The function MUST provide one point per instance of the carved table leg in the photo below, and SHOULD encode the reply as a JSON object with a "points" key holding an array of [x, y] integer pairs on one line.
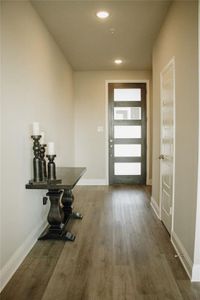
{"points": [[67, 200], [55, 219]]}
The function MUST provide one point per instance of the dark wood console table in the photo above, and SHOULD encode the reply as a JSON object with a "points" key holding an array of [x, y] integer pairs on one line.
{"points": [[61, 199]]}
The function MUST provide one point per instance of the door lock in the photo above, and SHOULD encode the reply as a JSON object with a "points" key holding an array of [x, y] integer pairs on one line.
{"points": [[161, 156]]}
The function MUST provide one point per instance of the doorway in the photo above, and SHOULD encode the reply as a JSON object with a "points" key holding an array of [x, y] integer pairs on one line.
{"points": [[167, 146], [127, 133]]}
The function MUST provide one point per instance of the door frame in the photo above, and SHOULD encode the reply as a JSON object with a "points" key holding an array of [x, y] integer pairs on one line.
{"points": [[148, 180], [171, 62]]}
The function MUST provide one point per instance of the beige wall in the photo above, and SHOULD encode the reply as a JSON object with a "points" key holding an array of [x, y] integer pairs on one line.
{"points": [[197, 234], [36, 86], [178, 38], [90, 112]]}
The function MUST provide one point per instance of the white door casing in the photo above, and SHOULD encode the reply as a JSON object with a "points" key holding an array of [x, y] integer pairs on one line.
{"points": [[167, 145]]}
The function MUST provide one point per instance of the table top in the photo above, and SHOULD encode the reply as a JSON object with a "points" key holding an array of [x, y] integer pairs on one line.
{"points": [[69, 176]]}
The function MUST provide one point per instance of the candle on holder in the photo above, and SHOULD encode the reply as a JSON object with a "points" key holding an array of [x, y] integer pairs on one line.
{"points": [[36, 128], [51, 150], [42, 138]]}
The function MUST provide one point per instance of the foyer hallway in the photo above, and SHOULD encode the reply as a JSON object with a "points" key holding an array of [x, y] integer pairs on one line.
{"points": [[122, 251]]}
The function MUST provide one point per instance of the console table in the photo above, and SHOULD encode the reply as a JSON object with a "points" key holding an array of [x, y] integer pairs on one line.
{"points": [[61, 199]]}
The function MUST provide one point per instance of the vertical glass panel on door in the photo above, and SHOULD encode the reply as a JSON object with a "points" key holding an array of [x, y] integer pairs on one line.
{"points": [[127, 150], [127, 94], [127, 168], [127, 113], [127, 132]]}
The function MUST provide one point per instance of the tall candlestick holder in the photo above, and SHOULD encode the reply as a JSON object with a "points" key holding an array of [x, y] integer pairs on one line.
{"points": [[37, 174], [43, 161], [52, 170]]}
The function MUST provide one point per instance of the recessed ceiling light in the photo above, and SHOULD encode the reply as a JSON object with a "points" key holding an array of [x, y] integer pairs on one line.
{"points": [[102, 14], [118, 61]]}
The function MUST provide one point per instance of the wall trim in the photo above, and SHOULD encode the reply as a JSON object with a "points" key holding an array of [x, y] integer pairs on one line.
{"points": [[155, 207], [92, 182], [17, 258], [182, 254], [147, 124], [149, 181], [195, 273]]}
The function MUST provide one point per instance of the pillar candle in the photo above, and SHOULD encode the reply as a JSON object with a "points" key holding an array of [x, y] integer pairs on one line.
{"points": [[36, 128], [51, 150]]}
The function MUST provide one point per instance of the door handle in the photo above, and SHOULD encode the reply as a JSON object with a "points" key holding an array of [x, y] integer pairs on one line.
{"points": [[161, 156]]}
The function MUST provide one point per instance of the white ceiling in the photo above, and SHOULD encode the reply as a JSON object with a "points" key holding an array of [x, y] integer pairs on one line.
{"points": [[90, 44]]}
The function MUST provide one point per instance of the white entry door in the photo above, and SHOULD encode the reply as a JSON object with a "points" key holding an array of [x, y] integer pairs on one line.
{"points": [[167, 143]]}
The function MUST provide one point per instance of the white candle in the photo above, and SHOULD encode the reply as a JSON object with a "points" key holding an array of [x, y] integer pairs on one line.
{"points": [[51, 150], [36, 128], [42, 137]]}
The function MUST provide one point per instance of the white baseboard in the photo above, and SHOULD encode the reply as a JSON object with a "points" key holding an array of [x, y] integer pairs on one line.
{"points": [[182, 253], [155, 207], [92, 182], [17, 258], [195, 273]]}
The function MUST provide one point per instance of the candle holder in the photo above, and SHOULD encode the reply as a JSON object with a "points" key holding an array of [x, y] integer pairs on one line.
{"points": [[52, 169], [43, 161], [37, 174]]}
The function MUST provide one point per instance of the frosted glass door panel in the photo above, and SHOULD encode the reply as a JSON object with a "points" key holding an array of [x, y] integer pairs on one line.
{"points": [[127, 113], [127, 168], [127, 150], [127, 132], [127, 94]]}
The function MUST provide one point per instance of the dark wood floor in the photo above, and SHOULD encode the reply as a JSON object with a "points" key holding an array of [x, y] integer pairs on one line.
{"points": [[121, 252]]}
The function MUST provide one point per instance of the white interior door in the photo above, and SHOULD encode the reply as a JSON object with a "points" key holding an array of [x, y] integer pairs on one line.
{"points": [[167, 143]]}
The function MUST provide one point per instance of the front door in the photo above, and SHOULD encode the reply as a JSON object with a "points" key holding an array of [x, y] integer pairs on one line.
{"points": [[127, 133], [167, 143]]}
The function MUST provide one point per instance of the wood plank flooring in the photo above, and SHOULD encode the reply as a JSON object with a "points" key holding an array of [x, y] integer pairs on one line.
{"points": [[121, 252]]}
